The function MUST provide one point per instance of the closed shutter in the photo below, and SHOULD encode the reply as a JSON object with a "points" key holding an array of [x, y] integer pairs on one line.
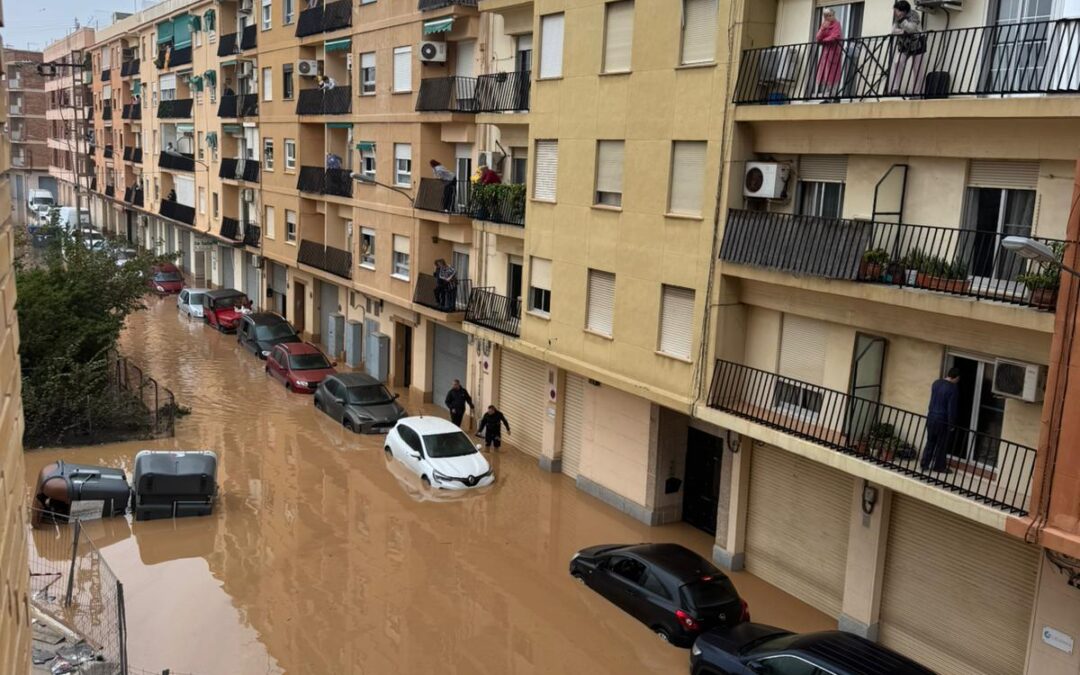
{"points": [[540, 273], [546, 169], [687, 177], [523, 399], [367, 60], [601, 302], [956, 595], [823, 168], [676, 321], [1008, 175], [167, 82], [609, 166], [797, 526], [268, 223], [573, 423], [185, 190], [699, 31], [403, 69], [449, 361], [802, 349], [618, 36], [551, 45], [228, 276]]}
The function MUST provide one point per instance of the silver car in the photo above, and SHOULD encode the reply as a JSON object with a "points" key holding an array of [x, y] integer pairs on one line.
{"points": [[189, 301]]}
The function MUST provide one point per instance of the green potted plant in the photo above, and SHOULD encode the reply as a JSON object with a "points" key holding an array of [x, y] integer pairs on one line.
{"points": [[1045, 281], [937, 273], [880, 441], [873, 264]]}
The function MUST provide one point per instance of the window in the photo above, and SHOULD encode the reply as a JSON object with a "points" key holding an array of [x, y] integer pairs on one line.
{"points": [[825, 200], [687, 177], [367, 159], [288, 11], [290, 154], [403, 164], [629, 569], [214, 199], [545, 172], [601, 302], [287, 81], [401, 257], [699, 31], [540, 285], [268, 154], [618, 36], [367, 73], [290, 225], [794, 398], [402, 69], [676, 321], [199, 144], [519, 165], [551, 45], [787, 665], [609, 170], [267, 11], [269, 219], [202, 200], [367, 247], [267, 84]]}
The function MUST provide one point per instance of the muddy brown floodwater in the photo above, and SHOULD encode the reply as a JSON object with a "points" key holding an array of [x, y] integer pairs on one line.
{"points": [[321, 559]]}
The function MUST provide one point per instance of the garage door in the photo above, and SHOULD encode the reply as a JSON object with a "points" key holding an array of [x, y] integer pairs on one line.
{"points": [[956, 595], [225, 259], [797, 526], [451, 350], [328, 303], [523, 395], [573, 423], [251, 281], [170, 237], [185, 251]]}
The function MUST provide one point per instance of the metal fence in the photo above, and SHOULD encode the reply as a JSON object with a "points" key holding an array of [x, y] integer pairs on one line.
{"points": [[489, 309], [158, 401]]}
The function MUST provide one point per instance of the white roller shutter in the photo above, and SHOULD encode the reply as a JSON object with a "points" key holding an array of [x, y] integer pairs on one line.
{"points": [[699, 31], [618, 36], [797, 526], [573, 423], [823, 168], [403, 69], [601, 302], [802, 349], [540, 273], [687, 177], [1009, 175], [956, 595], [185, 190], [609, 166], [676, 321], [551, 45], [546, 170], [523, 390]]}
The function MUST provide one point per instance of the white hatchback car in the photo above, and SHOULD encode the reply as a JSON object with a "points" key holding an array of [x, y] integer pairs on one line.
{"points": [[189, 301], [439, 452]]}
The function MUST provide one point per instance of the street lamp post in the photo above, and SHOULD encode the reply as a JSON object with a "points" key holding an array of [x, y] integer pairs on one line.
{"points": [[361, 178], [1032, 249]]}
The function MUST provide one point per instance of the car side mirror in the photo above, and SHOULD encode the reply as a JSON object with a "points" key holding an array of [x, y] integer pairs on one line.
{"points": [[339, 401], [478, 447], [333, 364], [417, 455]]}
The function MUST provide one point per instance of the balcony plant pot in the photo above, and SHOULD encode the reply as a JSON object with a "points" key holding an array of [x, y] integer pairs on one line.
{"points": [[1043, 283], [943, 284], [1044, 298], [873, 264]]}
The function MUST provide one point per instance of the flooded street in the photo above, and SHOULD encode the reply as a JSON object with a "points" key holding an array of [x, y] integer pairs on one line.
{"points": [[321, 559]]}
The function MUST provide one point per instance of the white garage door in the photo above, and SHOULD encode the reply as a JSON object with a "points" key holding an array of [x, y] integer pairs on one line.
{"points": [[523, 398], [573, 423], [797, 526]]}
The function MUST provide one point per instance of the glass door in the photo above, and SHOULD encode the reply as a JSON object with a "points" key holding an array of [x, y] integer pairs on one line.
{"points": [[990, 215], [865, 388], [513, 287], [981, 412], [1018, 49]]}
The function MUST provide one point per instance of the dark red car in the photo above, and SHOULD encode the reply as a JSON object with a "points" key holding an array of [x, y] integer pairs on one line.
{"points": [[165, 279], [221, 308], [300, 365]]}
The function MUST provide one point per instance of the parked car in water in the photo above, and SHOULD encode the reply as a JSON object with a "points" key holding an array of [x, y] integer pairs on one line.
{"points": [[40, 202], [757, 649], [675, 592], [124, 255], [261, 331], [439, 452], [358, 402], [189, 301], [165, 279], [300, 366], [222, 308]]}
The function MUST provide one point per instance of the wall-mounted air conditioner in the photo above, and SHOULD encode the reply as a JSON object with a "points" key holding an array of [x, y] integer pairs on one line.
{"points": [[249, 195], [1016, 379], [307, 67], [432, 52], [766, 180], [246, 6]]}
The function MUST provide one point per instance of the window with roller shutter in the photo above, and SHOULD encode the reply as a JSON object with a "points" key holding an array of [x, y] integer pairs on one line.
{"points": [[687, 177], [699, 19], [551, 46], [539, 285], [402, 69], [609, 172], [601, 302], [546, 170], [676, 321], [618, 36], [802, 358]]}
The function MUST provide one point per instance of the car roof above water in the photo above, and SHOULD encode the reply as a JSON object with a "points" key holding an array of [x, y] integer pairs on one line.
{"points": [[219, 293], [429, 425], [296, 348], [265, 318], [355, 379], [679, 562]]}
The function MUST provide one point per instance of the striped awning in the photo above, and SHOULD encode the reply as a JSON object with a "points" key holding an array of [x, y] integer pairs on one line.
{"points": [[438, 26], [341, 45]]}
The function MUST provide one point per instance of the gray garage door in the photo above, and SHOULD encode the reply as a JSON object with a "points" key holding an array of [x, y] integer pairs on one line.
{"points": [[225, 260], [451, 348], [328, 303], [185, 251], [251, 281]]}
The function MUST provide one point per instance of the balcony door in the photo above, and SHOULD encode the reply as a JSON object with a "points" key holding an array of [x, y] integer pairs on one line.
{"points": [[463, 167], [867, 365], [850, 16], [980, 410], [523, 53], [1019, 46], [991, 214], [513, 286]]}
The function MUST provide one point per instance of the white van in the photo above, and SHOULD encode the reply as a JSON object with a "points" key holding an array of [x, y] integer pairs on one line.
{"points": [[67, 220], [40, 201]]}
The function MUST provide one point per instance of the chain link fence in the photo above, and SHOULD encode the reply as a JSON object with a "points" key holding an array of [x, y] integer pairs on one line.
{"points": [[158, 401]]}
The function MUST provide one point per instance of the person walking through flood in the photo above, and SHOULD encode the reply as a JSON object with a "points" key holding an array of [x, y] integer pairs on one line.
{"points": [[491, 427], [456, 399]]}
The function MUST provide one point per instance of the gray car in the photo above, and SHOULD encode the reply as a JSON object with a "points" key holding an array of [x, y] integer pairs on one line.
{"points": [[359, 402]]}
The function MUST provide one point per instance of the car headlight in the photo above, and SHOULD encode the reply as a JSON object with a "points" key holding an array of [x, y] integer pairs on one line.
{"points": [[159, 288], [695, 650], [301, 383], [266, 352], [441, 476]]}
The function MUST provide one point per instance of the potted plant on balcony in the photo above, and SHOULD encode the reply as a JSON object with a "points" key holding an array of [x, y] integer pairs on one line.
{"points": [[882, 443], [937, 273], [873, 264], [1043, 286]]}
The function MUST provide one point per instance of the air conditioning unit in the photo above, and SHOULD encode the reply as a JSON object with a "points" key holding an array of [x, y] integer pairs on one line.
{"points": [[249, 194], [307, 67], [947, 5], [247, 69], [432, 52], [256, 261], [1019, 380], [778, 64], [766, 180], [246, 6]]}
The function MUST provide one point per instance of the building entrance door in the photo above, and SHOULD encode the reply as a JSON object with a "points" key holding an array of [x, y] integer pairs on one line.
{"points": [[701, 487]]}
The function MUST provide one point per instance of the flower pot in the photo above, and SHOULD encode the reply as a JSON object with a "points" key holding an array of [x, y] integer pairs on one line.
{"points": [[869, 271], [1044, 298], [959, 286]]}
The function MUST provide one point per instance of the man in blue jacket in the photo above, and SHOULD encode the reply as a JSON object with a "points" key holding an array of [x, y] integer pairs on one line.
{"points": [[941, 415]]}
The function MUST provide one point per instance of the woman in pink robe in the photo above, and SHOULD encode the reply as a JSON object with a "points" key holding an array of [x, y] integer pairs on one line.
{"points": [[829, 65]]}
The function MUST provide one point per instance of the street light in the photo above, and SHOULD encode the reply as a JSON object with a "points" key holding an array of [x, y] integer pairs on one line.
{"points": [[368, 180], [1029, 248]]}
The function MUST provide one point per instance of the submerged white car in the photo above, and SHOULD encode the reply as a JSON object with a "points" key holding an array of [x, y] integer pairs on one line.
{"points": [[439, 452], [189, 301]]}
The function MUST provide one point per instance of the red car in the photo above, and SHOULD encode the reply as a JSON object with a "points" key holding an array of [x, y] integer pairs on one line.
{"points": [[166, 279], [222, 308], [300, 365]]}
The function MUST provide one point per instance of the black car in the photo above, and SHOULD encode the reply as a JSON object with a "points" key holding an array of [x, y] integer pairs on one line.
{"points": [[672, 590], [359, 402], [757, 649], [259, 332]]}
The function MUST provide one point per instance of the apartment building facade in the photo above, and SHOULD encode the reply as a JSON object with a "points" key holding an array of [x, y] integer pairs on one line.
{"points": [[28, 129], [69, 116]]}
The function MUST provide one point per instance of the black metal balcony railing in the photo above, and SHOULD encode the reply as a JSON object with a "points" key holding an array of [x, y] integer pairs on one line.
{"points": [[106, 110], [168, 57], [137, 197], [93, 184], [179, 108], [129, 68], [227, 44], [336, 101], [248, 38], [1022, 58], [434, 194], [252, 235], [132, 154], [110, 190], [106, 74], [498, 203], [985, 468], [489, 309], [443, 297], [108, 152], [326, 258], [128, 192], [963, 262], [239, 105], [239, 169], [230, 228], [496, 92], [176, 161], [310, 179], [323, 19], [177, 211], [426, 5], [131, 111], [317, 180]]}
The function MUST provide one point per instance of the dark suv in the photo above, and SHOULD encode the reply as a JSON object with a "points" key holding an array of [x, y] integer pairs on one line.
{"points": [[259, 332]]}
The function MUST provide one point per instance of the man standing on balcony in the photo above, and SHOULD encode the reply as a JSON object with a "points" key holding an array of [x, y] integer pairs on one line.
{"points": [[447, 177], [940, 418], [445, 286]]}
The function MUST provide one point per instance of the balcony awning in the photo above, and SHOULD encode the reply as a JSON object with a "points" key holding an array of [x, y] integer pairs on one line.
{"points": [[365, 147], [136, 87], [211, 139], [232, 129], [185, 128], [339, 125], [211, 77], [230, 62], [438, 26], [341, 45]]}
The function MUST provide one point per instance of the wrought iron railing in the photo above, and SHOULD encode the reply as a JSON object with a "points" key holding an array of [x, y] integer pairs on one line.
{"points": [[980, 466], [179, 108], [238, 105], [322, 19], [131, 111], [239, 169], [168, 57], [230, 228], [336, 101], [327, 258], [489, 309], [106, 74], [176, 161], [227, 44], [963, 262], [133, 195], [495, 92], [177, 211], [247, 38], [310, 179], [426, 5], [129, 68], [496, 203], [434, 194], [452, 297], [107, 152], [317, 180], [1036, 57], [252, 235], [110, 190], [106, 110]]}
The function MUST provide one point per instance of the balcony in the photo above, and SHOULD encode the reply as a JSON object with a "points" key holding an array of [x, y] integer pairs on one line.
{"points": [[179, 108], [176, 161], [132, 154], [110, 190], [230, 228], [426, 5], [499, 203], [247, 38], [131, 111], [326, 258], [129, 68], [240, 105], [316, 180], [169, 57], [496, 92], [323, 19], [108, 152], [453, 298], [177, 211], [106, 74], [1022, 58], [252, 235], [133, 195], [106, 111], [969, 263], [336, 101], [239, 169], [489, 309], [985, 468]]}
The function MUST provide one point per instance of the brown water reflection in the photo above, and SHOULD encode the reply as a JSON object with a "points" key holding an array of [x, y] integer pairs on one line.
{"points": [[322, 559]]}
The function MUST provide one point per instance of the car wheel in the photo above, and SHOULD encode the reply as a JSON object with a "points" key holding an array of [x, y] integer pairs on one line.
{"points": [[426, 481], [349, 425], [662, 634], [318, 406], [389, 452], [288, 386]]}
